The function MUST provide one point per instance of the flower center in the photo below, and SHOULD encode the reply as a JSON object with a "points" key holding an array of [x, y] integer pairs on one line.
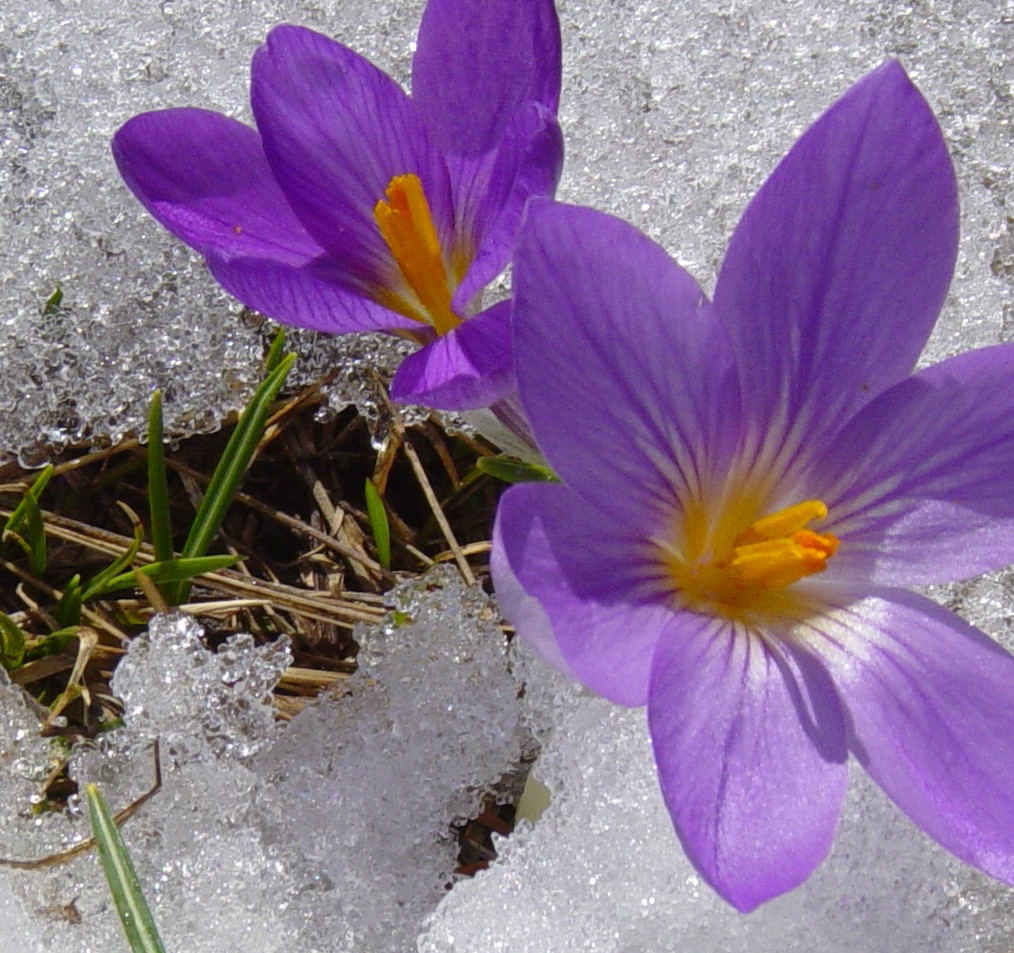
{"points": [[406, 226], [750, 571], [778, 550]]}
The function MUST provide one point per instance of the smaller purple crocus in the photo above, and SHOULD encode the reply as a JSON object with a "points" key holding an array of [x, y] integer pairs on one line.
{"points": [[751, 484], [354, 207]]}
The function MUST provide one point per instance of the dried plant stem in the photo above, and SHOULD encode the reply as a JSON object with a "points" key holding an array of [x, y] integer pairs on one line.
{"points": [[151, 592], [87, 640], [438, 513], [86, 460], [469, 549], [61, 857], [93, 618], [320, 606], [292, 523]]}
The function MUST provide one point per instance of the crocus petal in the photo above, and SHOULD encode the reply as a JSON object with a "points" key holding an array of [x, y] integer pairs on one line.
{"points": [[623, 372], [750, 748], [522, 610], [929, 698], [477, 63], [467, 368], [336, 130], [573, 562], [491, 193], [919, 483], [309, 295], [838, 268], [205, 178]]}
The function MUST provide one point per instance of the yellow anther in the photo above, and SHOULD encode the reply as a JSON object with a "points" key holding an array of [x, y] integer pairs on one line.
{"points": [[743, 575], [778, 550], [783, 523], [406, 226], [778, 563]]}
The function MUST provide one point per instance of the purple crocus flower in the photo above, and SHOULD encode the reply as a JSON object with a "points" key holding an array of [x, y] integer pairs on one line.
{"points": [[354, 207], [750, 483]]}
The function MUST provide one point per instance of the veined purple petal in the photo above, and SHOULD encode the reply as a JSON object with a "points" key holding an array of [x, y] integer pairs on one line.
{"points": [[584, 575], [336, 130], [623, 371], [491, 192], [467, 368], [477, 63], [839, 266], [522, 610], [929, 700], [920, 484], [310, 295], [205, 178], [750, 748]]}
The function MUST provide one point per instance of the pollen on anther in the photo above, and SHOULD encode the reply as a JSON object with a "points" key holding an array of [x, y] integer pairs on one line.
{"points": [[406, 224]]}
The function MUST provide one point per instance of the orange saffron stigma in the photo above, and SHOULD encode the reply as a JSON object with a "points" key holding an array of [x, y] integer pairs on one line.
{"points": [[406, 225]]}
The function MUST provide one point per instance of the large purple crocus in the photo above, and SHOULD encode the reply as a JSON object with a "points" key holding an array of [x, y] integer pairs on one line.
{"points": [[354, 207], [750, 483]]}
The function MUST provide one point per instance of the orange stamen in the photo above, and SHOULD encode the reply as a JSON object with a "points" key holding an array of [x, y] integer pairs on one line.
{"points": [[778, 550], [406, 225], [748, 573]]}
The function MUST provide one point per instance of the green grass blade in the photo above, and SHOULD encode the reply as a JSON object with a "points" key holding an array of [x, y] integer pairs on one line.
{"points": [[274, 356], [25, 527], [170, 571], [514, 470], [158, 487], [52, 305], [68, 609], [17, 518], [31, 536], [35, 532], [231, 469], [97, 586], [51, 644], [135, 916], [12, 643], [20, 541], [379, 524], [235, 460]]}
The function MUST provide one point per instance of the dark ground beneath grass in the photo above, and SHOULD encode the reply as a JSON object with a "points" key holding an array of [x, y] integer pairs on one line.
{"points": [[309, 562]]}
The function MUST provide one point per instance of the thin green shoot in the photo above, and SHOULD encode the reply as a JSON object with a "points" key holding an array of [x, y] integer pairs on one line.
{"points": [[31, 535], [135, 915], [168, 572], [52, 305], [158, 487], [68, 610], [275, 352], [229, 473], [379, 523], [25, 525], [51, 644], [12, 643], [97, 585], [515, 470]]}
